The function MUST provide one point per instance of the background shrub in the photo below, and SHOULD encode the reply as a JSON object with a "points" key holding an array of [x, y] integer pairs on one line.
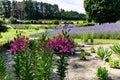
{"points": [[2, 21], [27, 22], [13, 20], [56, 22], [18, 27], [85, 24], [3, 27]]}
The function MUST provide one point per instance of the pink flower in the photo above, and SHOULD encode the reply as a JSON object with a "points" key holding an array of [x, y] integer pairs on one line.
{"points": [[18, 45], [41, 49], [61, 45]]}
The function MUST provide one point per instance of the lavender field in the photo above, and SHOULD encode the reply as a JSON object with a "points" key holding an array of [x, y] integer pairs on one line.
{"points": [[103, 28]]}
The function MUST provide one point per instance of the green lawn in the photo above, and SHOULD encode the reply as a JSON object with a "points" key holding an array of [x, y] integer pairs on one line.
{"points": [[12, 33], [101, 41]]}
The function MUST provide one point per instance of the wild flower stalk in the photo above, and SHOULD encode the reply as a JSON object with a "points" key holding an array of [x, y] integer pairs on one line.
{"points": [[22, 58], [44, 60], [62, 46]]}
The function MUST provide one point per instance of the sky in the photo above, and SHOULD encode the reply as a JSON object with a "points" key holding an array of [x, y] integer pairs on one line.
{"points": [[75, 5]]}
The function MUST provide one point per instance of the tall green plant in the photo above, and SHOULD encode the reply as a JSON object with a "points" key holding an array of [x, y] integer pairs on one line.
{"points": [[62, 47], [82, 54], [92, 37], [2, 67], [62, 62], [44, 60], [23, 65], [116, 49], [85, 37], [104, 54]]}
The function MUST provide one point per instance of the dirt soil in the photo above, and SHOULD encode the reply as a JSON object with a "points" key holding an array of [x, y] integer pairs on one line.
{"points": [[86, 70]]}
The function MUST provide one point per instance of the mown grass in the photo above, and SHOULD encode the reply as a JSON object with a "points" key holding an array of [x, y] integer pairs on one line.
{"points": [[12, 33], [100, 41]]}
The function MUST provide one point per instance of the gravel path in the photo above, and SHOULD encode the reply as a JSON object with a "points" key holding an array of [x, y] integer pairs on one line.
{"points": [[86, 70]]}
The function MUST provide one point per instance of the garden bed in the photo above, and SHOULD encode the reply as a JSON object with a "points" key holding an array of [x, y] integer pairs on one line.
{"points": [[86, 70]]}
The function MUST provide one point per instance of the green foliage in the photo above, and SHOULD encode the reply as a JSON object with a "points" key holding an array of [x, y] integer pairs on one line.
{"points": [[23, 66], [62, 64], [82, 54], [26, 63], [116, 49], [5, 45], [2, 66], [3, 27], [6, 8], [13, 20], [49, 27], [18, 27], [44, 59], [104, 54], [92, 49], [35, 10], [85, 24], [91, 37], [2, 21], [27, 22], [115, 35], [30, 27], [85, 37], [33, 63], [23, 63], [1, 35], [68, 22], [56, 22], [102, 73], [17, 66], [87, 53], [98, 10], [114, 63]]}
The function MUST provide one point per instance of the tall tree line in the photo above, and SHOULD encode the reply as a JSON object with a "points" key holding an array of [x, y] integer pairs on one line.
{"points": [[33, 10]]}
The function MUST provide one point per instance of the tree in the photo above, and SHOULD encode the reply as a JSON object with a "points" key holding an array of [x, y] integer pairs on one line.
{"points": [[33, 10], [1, 8], [3, 27], [7, 8], [102, 11], [28, 9]]}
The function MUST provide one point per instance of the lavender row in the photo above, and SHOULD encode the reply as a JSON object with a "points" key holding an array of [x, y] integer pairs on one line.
{"points": [[103, 28]]}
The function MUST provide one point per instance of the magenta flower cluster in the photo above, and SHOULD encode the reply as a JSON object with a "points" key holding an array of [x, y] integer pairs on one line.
{"points": [[61, 45], [18, 45]]}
